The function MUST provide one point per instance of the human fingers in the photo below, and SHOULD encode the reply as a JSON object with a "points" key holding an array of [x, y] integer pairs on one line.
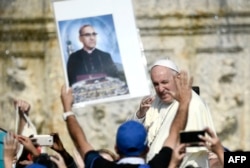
{"points": [[181, 151], [25, 162], [27, 142], [22, 105], [173, 94], [184, 80], [178, 154], [202, 143], [22, 138], [6, 140], [210, 132], [207, 141], [145, 106], [181, 148], [66, 90], [147, 99], [180, 80], [57, 158], [10, 145]]}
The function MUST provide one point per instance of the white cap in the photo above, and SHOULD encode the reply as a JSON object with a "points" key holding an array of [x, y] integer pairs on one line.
{"points": [[166, 63]]}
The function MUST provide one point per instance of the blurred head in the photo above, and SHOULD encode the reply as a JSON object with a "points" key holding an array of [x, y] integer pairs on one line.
{"points": [[162, 76], [44, 160], [87, 36], [131, 139]]}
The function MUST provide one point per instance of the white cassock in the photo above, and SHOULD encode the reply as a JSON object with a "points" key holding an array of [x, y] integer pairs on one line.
{"points": [[158, 121]]}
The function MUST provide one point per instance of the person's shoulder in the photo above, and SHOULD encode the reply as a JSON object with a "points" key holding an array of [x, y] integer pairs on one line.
{"points": [[74, 56], [76, 53], [94, 159], [101, 52]]}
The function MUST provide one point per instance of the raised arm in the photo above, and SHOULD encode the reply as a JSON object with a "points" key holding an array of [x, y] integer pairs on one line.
{"points": [[58, 147], [23, 107], [183, 96], [75, 131], [10, 149]]}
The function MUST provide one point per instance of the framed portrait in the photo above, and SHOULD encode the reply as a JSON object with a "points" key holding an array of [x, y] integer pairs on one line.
{"points": [[101, 50]]}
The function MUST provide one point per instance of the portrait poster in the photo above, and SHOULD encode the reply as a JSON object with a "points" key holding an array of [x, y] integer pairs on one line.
{"points": [[100, 50]]}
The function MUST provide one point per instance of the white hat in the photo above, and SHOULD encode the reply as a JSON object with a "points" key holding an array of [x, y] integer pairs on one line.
{"points": [[166, 63]]}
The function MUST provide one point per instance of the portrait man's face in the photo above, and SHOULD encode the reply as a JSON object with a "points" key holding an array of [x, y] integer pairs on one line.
{"points": [[88, 37]]}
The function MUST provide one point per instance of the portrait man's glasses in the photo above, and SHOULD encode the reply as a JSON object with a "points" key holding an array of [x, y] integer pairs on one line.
{"points": [[89, 34]]}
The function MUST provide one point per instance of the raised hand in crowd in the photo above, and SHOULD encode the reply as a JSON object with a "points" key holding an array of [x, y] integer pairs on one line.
{"points": [[28, 145], [10, 150], [184, 87], [177, 155], [57, 143], [29, 148], [183, 95], [23, 108], [58, 147], [213, 143], [58, 160]]}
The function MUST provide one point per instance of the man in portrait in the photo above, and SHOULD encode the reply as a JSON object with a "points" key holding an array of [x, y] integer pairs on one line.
{"points": [[89, 62]]}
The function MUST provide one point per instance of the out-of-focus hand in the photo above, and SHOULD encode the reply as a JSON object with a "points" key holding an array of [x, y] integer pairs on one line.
{"points": [[58, 160], [144, 106], [28, 145], [25, 162], [23, 106], [57, 143], [66, 98], [177, 155], [183, 87], [10, 148], [213, 143]]}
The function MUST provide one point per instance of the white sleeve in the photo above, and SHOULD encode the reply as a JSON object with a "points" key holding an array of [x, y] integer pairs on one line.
{"points": [[134, 117]]}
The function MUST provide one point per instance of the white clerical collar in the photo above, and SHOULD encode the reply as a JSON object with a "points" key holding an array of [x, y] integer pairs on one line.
{"points": [[89, 51], [131, 160]]}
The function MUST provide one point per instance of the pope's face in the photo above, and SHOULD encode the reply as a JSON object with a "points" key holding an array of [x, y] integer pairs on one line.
{"points": [[163, 81], [88, 37]]}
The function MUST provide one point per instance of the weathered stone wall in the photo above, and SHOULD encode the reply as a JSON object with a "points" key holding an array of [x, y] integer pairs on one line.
{"points": [[208, 37]]}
